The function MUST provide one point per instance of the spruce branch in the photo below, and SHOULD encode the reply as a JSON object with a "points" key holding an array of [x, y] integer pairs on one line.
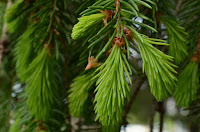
{"points": [[79, 93], [177, 41], [109, 31], [23, 60], [188, 82], [35, 59], [85, 23], [16, 126], [189, 15], [112, 88], [41, 95], [157, 67]]}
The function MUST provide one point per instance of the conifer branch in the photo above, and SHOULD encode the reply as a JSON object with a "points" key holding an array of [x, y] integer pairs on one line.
{"points": [[112, 88], [34, 56], [159, 69], [109, 31], [188, 84], [79, 93], [177, 41]]}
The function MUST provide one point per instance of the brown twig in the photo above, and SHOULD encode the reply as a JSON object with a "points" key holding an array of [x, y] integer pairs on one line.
{"points": [[161, 111], [195, 56], [41, 126], [158, 106], [152, 116], [178, 6]]}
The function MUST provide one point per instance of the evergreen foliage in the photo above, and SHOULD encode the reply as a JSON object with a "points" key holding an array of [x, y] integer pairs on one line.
{"points": [[48, 51], [188, 85], [158, 69], [85, 24], [40, 71], [17, 15], [38, 54], [79, 93], [112, 88], [177, 41]]}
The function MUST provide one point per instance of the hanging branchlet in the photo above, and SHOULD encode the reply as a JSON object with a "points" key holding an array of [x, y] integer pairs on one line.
{"points": [[37, 72], [35, 52], [157, 67], [110, 114], [187, 91], [188, 81], [176, 36], [42, 110], [23, 50], [112, 87], [79, 93]]}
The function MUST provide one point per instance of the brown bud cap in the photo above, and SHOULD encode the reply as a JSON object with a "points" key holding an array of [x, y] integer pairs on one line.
{"points": [[128, 32], [109, 15], [92, 63], [198, 46], [195, 56], [119, 41]]}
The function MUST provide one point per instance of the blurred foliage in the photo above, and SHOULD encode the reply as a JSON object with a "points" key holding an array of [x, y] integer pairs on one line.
{"points": [[2, 11]]}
